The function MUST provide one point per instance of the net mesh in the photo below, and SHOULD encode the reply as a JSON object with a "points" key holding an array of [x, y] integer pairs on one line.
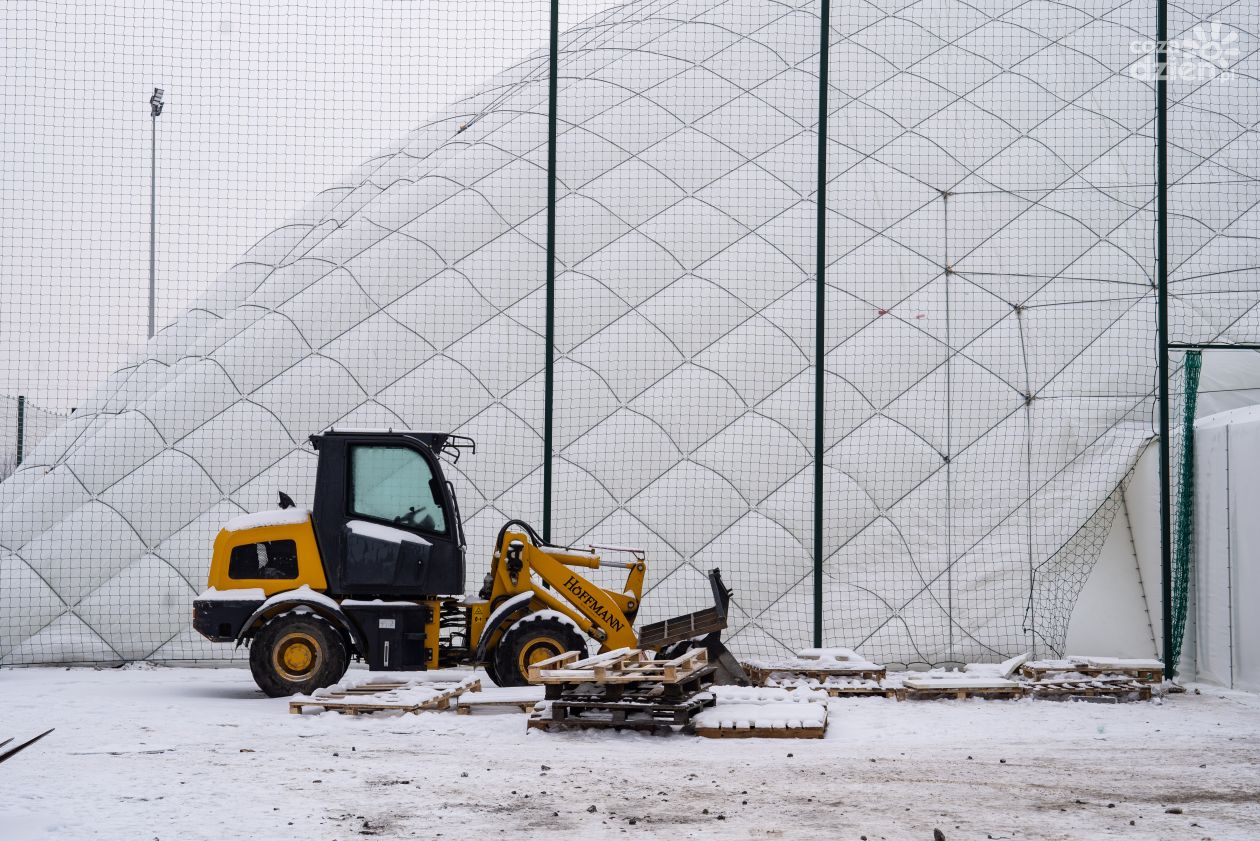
{"points": [[24, 425], [988, 333]]}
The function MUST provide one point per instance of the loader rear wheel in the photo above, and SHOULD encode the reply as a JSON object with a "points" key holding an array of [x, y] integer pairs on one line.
{"points": [[297, 654], [530, 641]]}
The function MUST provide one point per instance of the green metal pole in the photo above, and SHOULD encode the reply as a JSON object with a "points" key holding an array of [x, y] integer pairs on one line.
{"points": [[820, 316], [550, 373], [1161, 282], [21, 430]]}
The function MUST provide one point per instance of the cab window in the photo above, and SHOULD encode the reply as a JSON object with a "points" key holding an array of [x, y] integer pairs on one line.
{"points": [[271, 559], [395, 484]]}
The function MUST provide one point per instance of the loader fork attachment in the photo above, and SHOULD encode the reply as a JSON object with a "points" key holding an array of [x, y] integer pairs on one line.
{"points": [[703, 627]]}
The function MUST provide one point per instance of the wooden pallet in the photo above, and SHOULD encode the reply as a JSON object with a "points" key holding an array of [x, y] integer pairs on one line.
{"points": [[836, 687], [627, 665], [762, 732], [1067, 688], [390, 696], [1145, 671], [523, 706], [761, 675], [664, 719], [602, 712], [542, 720], [959, 692], [752, 731], [513, 698]]}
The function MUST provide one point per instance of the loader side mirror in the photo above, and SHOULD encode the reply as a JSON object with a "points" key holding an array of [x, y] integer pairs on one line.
{"points": [[435, 490]]}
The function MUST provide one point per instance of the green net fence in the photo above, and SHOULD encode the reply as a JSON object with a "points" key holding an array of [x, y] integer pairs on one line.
{"points": [[874, 335], [1182, 499]]}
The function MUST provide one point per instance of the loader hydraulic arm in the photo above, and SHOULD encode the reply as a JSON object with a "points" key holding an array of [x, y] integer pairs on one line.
{"points": [[605, 615]]}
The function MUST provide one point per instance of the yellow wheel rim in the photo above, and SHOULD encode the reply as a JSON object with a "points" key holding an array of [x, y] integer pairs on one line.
{"points": [[297, 656], [538, 650]]}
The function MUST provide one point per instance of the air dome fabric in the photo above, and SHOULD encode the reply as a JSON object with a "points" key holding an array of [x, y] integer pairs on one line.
{"points": [[988, 332]]}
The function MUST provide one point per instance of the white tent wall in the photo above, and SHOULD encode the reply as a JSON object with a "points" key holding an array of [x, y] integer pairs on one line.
{"points": [[1230, 380], [1119, 612], [1113, 616], [1226, 586]]}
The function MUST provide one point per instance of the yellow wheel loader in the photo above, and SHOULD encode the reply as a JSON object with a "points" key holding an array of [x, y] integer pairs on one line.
{"points": [[375, 572]]}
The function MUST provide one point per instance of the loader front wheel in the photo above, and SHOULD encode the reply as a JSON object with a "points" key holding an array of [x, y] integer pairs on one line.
{"points": [[530, 641], [297, 654]]}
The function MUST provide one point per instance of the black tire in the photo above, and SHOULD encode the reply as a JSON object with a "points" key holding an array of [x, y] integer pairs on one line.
{"points": [[297, 653], [529, 641], [491, 671]]}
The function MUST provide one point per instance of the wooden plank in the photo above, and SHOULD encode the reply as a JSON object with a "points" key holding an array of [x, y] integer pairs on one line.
{"points": [[615, 665], [557, 662]]}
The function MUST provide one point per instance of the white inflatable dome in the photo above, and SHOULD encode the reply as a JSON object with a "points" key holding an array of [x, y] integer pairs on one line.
{"points": [[989, 333]]}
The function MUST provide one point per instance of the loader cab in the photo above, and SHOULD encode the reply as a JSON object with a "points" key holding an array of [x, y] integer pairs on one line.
{"points": [[385, 517]]}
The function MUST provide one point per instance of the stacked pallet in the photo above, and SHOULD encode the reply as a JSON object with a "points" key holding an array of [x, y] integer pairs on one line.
{"points": [[1145, 671], [1093, 677], [959, 685], [836, 671], [1117, 687], [622, 689], [384, 695]]}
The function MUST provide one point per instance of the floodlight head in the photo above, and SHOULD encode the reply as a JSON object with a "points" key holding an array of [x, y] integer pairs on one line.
{"points": [[155, 101]]}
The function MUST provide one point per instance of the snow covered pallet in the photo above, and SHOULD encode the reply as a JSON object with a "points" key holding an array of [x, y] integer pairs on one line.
{"points": [[1147, 671], [523, 698], [837, 686], [958, 685], [621, 689], [385, 696], [764, 713], [838, 669], [1118, 687]]}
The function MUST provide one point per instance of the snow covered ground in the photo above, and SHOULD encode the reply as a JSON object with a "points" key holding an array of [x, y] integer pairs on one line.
{"points": [[167, 753]]}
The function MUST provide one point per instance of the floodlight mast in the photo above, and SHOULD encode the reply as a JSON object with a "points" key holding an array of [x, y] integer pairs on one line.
{"points": [[155, 108]]}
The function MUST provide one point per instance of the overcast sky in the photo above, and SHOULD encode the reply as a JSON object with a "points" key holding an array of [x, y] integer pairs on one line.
{"points": [[268, 103]]}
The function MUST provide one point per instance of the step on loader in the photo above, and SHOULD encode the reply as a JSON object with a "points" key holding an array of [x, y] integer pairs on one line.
{"points": [[375, 572]]}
